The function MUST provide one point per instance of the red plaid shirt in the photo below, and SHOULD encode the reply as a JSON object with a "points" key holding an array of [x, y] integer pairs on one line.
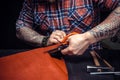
{"points": [[65, 15]]}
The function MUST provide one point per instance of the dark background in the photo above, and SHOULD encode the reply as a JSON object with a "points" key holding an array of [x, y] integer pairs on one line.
{"points": [[10, 10]]}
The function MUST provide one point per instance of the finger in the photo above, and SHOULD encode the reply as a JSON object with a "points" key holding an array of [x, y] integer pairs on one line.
{"points": [[62, 34], [55, 39], [69, 50], [59, 35], [58, 38], [65, 51]]}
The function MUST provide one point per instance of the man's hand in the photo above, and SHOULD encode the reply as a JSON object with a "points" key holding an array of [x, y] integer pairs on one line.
{"points": [[78, 43], [56, 37]]}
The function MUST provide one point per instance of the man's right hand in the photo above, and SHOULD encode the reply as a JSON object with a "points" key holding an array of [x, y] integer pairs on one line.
{"points": [[56, 37]]}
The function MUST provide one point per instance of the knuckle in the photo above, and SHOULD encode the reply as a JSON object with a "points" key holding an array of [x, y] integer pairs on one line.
{"points": [[74, 53], [59, 34], [70, 49], [57, 31]]}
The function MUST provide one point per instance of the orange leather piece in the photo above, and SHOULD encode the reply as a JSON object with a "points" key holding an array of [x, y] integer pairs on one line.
{"points": [[32, 65]]}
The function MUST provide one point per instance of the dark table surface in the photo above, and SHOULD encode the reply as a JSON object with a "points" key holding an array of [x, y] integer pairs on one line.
{"points": [[112, 56]]}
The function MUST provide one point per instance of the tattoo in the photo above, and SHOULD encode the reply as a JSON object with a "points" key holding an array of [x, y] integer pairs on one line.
{"points": [[29, 36], [104, 31], [117, 12], [109, 27]]}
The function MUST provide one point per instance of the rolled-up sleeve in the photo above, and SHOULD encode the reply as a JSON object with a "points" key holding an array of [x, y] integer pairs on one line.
{"points": [[107, 4], [26, 15]]}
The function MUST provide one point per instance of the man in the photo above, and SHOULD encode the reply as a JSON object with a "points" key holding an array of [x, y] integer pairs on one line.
{"points": [[46, 22]]}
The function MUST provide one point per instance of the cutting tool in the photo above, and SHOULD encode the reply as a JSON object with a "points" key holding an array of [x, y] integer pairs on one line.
{"points": [[98, 69]]}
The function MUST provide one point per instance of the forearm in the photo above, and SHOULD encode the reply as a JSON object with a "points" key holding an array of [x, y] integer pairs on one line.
{"points": [[29, 36], [107, 28]]}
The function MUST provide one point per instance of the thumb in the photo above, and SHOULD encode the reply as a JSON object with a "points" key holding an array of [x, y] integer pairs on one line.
{"points": [[68, 50], [65, 51]]}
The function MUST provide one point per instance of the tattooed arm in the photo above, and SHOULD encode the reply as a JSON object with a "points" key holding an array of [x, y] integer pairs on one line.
{"points": [[35, 39], [107, 28], [29, 36]]}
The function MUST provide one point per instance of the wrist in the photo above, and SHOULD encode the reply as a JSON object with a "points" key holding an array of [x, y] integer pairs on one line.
{"points": [[45, 41], [91, 39]]}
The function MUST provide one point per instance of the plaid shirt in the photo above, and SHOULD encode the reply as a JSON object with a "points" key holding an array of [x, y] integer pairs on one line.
{"points": [[65, 15]]}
